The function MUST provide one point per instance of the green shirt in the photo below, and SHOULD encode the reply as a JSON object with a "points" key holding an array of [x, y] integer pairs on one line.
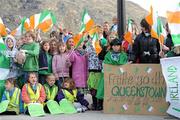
{"points": [[32, 54], [49, 60]]}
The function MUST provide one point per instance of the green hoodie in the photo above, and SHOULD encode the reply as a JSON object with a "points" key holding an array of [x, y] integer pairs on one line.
{"points": [[32, 54]]}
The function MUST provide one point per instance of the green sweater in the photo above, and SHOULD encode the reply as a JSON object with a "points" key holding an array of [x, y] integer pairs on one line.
{"points": [[32, 54], [119, 59]]}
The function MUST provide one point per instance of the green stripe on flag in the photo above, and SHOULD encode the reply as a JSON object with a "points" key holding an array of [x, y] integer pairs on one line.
{"points": [[22, 24], [176, 39], [43, 15], [53, 17]]}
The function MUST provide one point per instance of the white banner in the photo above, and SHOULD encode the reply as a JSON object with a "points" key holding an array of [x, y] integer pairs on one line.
{"points": [[171, 73]]}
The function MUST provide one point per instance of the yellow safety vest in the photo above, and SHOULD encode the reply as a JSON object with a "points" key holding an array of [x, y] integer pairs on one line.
{"points": [[13, 100], [69, 96], [34, 97], [51, 96]]}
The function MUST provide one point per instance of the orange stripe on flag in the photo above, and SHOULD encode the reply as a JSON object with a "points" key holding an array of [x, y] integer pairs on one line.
{"points": [[13, 32], [32, 22], [2, 30], [161, 39], [46, 25], [27, 26], [89, 25], [154, 34], [128, 37], [149, 18], [173, 17], [77, 38], [92, 31], [97, 46]]}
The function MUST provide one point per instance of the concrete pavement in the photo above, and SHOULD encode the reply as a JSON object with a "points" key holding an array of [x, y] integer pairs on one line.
{"points": [[89, 115]]}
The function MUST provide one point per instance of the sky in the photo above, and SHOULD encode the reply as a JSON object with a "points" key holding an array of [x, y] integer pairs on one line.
{"points": [[158, 5]]}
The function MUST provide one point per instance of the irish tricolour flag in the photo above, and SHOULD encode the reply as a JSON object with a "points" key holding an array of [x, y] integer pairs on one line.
{"points": [[173, 17]]}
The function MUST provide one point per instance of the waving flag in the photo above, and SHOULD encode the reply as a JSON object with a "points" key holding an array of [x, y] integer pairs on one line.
{"points": [[2, 28], [47, 22], [87, 22], [161, 31], [173, 18], [96, 43], [21, 28], [157, 29], [128, 35], [34, 21]]}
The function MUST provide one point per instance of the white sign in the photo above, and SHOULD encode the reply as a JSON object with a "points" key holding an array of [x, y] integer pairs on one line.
{"points": [[171, 72]]}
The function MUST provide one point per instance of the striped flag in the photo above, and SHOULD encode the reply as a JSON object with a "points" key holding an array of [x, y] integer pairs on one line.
{"points": [[27, 24], [4, 61], [86, 23], [34, 21], [161, 31], [96, 43], [2, 28], [128, 36], [173, 18], [152, 21], [21, 28], [157, 29], [47, 22]]}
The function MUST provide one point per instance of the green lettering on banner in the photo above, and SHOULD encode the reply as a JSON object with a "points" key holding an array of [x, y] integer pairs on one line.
{"points": [[135, 91], [172, 77]]}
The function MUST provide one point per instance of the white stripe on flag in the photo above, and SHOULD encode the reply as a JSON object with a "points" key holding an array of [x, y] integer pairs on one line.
{"points": [[4, 72], [86, 18], [175, 28]]}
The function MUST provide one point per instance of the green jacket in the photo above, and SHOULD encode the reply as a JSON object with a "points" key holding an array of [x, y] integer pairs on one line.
{"points": [[119, 59], [32, 54]]}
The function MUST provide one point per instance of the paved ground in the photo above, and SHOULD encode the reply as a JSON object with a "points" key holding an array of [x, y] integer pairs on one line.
{"points": [[89, 115]]}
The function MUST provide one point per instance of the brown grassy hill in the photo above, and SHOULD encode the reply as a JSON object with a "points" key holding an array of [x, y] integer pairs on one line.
{"points": [[68, 12]]}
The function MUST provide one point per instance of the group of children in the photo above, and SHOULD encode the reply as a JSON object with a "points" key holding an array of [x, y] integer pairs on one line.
{"points": [[56, 69]]}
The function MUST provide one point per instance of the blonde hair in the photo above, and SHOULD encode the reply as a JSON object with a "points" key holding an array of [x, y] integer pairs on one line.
{"points": [[177, 49], [32, 34]]}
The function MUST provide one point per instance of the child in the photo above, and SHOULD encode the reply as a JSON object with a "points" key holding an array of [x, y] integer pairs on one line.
{"points": [[70, 44], [45, 62], [71, 93], [11, 53], [32, 92], [50, 88], [53, 47], [94, 67], [13, 94], [114, 57], [31, 49], [79, 67], [61, 64]]}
